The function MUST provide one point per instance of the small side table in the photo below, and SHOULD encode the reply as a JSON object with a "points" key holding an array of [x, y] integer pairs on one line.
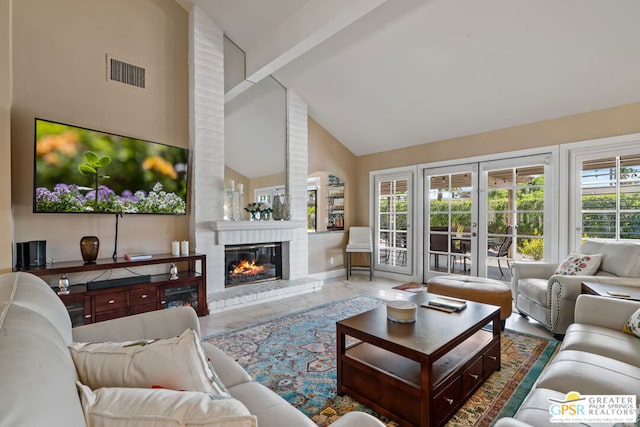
{"points": [[607, 289]]}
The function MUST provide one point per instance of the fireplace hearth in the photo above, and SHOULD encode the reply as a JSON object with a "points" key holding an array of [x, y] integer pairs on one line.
{"points": [[246, 264]]}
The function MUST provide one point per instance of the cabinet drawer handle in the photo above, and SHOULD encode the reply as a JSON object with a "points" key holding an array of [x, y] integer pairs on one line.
{"points": [[87, 316], [144, 296], [474, 376], [112, 301], [492, 357], [449, 401]]}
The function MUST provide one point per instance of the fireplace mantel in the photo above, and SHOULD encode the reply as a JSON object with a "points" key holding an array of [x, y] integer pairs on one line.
{"points": [[239, 232]]}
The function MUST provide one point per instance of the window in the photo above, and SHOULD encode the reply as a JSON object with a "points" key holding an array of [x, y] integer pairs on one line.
{"points": [[604, 190], [610, 197]]}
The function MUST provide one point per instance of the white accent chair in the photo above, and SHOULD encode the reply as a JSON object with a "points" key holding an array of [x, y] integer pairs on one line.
{"points": [[550, 298], [360, 241]]}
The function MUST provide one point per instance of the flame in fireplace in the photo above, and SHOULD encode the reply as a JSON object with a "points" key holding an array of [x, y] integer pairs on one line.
{"points": [[247, 268]]}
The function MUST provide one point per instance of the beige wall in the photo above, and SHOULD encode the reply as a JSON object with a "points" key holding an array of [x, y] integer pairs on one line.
{"points": [[5, 136], [619, 120], [59, 70], [326, 153]]}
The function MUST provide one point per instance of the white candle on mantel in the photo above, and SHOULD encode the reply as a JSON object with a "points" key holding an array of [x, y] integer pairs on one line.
{"points": [[233, 185], [240, 187]]}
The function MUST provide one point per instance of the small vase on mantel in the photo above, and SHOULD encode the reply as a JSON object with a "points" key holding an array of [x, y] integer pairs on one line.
{"points": [[89, 247]]}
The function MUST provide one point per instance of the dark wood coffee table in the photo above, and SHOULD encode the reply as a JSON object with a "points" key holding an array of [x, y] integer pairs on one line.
{"points": [[418, 374]]}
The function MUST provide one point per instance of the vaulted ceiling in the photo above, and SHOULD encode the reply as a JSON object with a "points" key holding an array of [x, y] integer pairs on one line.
{"points": [[381, 75]]}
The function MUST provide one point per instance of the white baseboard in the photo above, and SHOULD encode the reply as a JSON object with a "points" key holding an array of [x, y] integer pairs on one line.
{"points": [[342, 273]]}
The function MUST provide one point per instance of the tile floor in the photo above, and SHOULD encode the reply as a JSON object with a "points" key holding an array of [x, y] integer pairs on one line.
{"points": [[333, 289]]}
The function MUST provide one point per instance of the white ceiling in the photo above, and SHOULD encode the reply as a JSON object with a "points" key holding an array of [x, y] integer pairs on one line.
{"points": [[407, 72]]}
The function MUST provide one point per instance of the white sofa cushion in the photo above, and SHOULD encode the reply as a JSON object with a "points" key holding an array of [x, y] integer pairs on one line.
{"points": [[139, 407], [577, 264], [590, 373], [175, 363], [603, 341], [621, 258], [271, 409], [535, 290], [36, 370]]}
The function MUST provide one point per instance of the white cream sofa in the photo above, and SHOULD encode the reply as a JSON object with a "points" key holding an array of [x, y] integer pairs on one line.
{"points": [[596, 357], [38, 376], [550, 298]]}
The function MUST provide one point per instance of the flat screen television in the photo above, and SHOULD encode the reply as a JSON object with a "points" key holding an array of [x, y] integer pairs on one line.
{"points": [[80, 170]]}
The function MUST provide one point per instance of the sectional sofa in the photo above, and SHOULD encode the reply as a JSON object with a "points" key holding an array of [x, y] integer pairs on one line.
{"points": [[38, 376], [596, 358]]}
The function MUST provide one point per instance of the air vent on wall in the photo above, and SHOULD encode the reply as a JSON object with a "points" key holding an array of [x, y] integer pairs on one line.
{"points": [[124, 72]]}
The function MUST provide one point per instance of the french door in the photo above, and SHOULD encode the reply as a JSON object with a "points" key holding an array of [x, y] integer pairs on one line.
{"points": [[393, 242], [450, 219], [479, 217]]}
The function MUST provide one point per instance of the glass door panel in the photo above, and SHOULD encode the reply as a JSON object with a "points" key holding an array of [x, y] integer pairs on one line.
{"points": [[513, 214], [393, 221], [449, 220]]}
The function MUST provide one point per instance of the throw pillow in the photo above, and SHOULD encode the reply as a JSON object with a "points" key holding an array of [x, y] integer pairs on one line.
{"points": [[632, 326], [579, 264], [139, 407], [177, 363]]}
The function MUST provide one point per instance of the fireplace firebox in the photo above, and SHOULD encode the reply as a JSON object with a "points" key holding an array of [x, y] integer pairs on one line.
{"points": [[252, 263]]}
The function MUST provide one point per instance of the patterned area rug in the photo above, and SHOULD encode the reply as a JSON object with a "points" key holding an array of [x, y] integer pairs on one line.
{"points": [[294, 355], [412, 287]]}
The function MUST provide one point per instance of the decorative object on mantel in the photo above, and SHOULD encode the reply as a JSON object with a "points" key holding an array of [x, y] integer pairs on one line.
{"points": [[228, 203], [286, 207], [277, 207], [259, 211], [89, 247]]}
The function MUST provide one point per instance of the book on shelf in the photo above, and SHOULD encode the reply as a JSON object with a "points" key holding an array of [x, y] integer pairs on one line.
{"points": [[448, 303], [137, 257]]}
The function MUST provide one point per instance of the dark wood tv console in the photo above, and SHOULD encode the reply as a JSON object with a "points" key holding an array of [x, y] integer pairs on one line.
{"points": [[156, 292]]}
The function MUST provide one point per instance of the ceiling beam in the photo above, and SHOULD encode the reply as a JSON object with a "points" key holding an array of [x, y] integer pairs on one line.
{"points": [[304, 29]]}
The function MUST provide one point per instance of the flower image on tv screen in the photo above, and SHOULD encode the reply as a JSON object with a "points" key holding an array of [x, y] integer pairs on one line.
{"points": [[86, 171]]}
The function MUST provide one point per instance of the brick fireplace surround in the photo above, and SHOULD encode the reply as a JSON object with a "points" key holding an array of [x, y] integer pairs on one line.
{"points": [[208, 232], [252, 232]]}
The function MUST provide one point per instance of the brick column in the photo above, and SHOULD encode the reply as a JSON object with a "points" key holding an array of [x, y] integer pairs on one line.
{"points": [[297, 164], [206, 138]]}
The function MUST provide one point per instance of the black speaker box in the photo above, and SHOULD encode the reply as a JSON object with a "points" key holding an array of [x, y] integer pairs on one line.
{"points": [[31, 254]]}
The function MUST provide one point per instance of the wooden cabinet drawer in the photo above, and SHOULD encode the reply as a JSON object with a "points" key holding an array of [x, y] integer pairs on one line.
{"points": [[143, 296], [110, 301], [137, 309], [472, 377], [445, 402], [108, 315], [491, 359]]}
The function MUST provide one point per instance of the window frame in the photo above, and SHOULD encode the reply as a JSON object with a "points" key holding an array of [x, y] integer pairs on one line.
{"points": [[578, 152]]}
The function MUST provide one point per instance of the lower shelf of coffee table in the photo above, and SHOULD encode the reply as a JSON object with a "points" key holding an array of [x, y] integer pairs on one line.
{"points": [[391, 383]]}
